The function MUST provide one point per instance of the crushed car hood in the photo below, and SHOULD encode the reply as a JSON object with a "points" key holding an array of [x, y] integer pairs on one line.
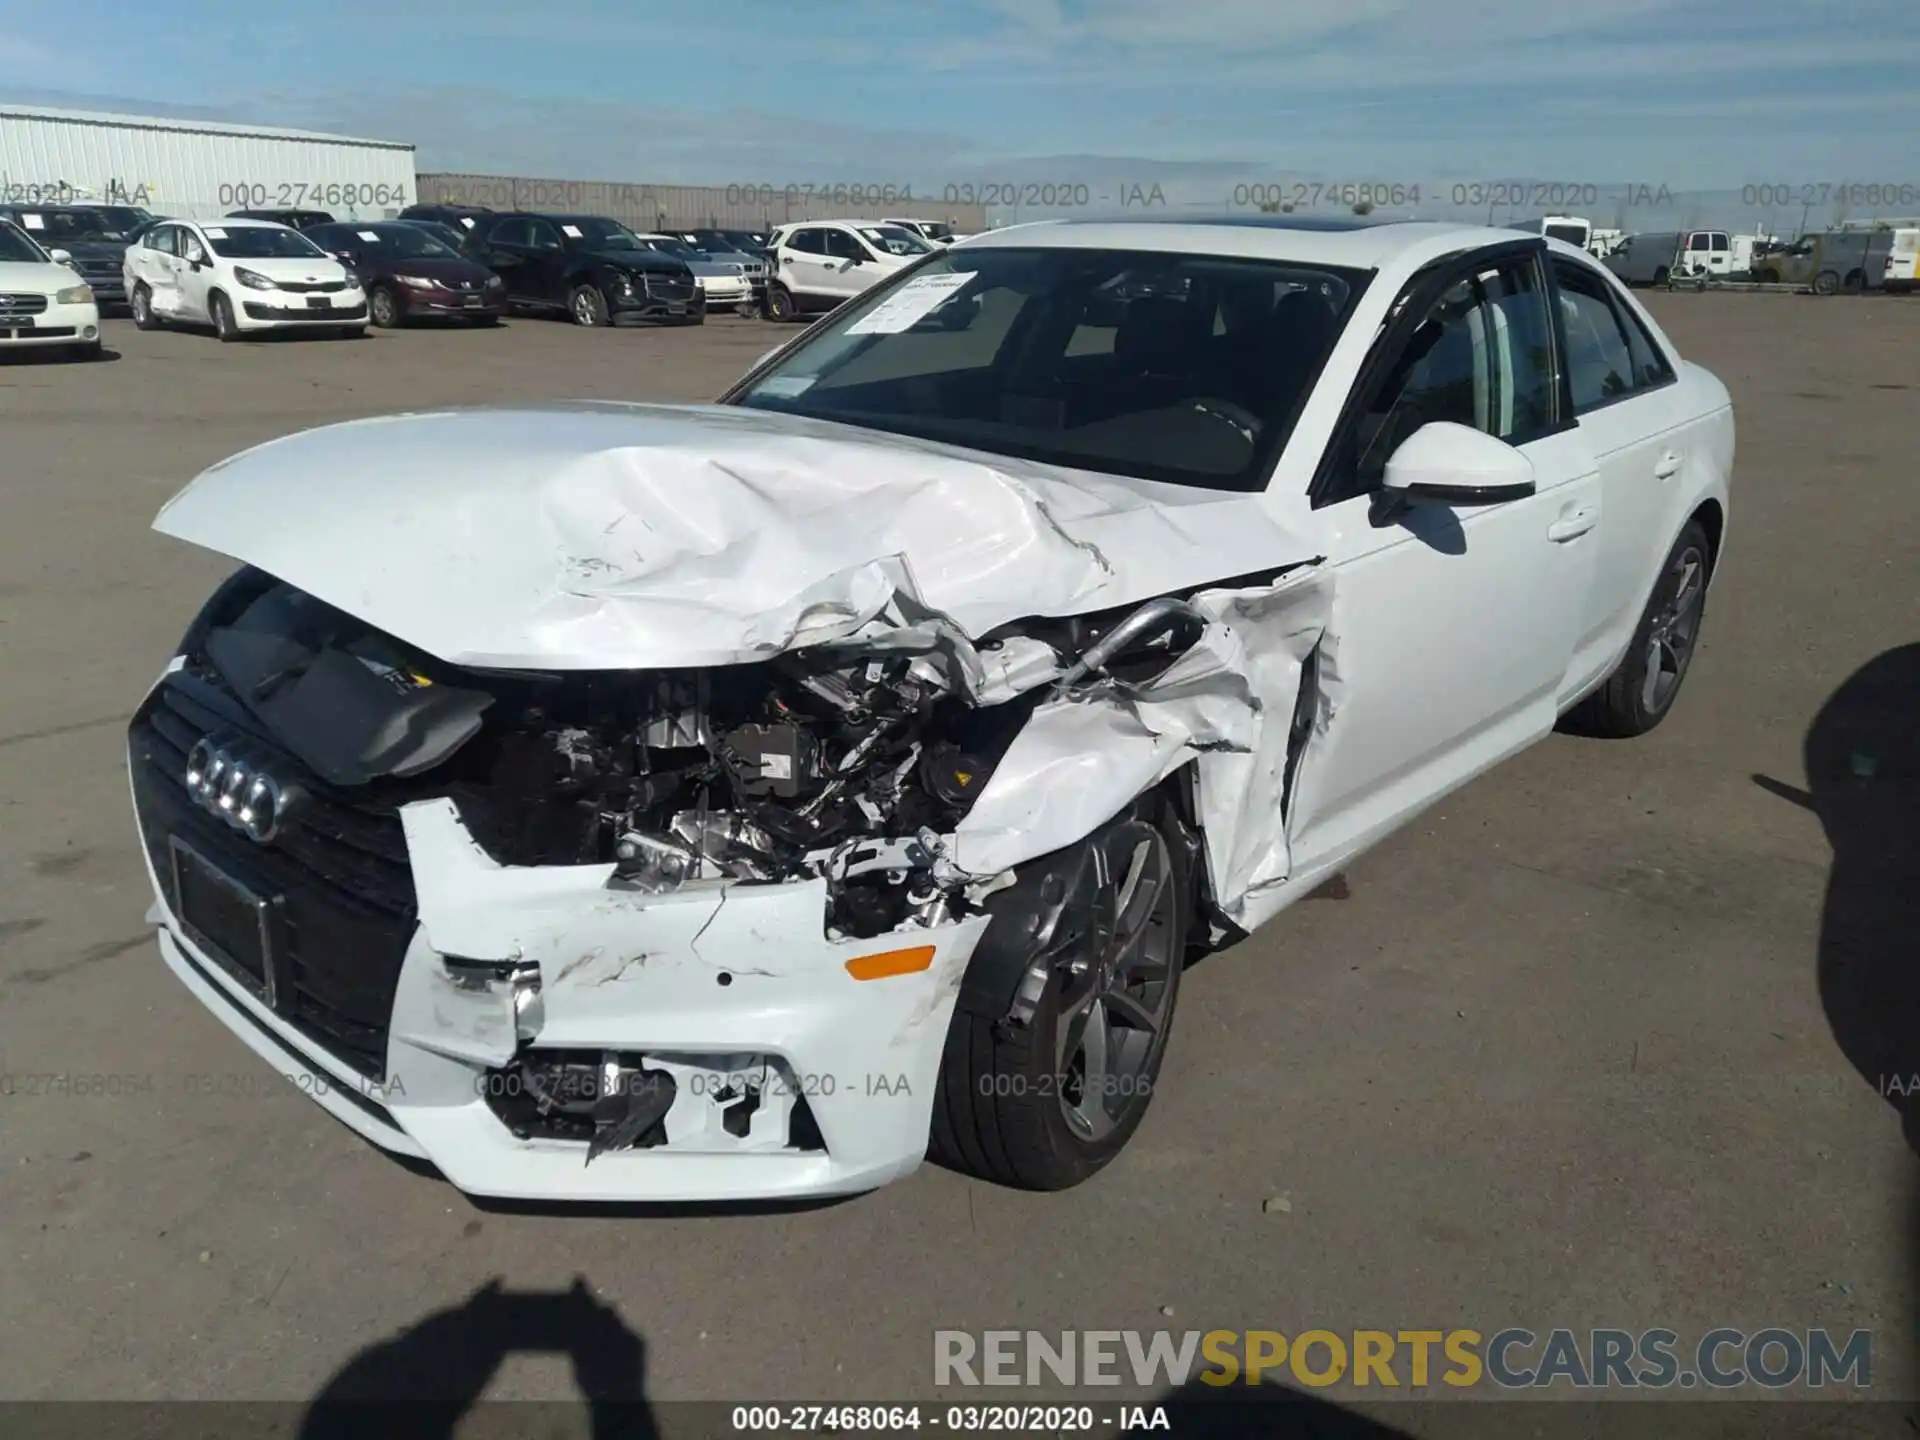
{"points": [[611, 536]]}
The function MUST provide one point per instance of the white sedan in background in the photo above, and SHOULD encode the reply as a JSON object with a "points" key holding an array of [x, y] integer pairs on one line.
{"points": [[44, 304], [241, 277], [661, 802]]}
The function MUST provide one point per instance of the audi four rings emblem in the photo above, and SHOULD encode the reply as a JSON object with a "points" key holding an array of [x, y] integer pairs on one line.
{"points": [[232, 783]]}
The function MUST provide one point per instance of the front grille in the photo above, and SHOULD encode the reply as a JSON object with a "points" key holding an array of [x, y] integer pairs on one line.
{"points": [[256, 311], [670, 287], [15, 304], [338, 874], [38, 332], [317, 287]]}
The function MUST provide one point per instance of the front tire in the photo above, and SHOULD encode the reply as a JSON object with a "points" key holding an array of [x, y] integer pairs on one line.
{"points": [[143, 316], [1642, 689], [588, 307], [223, 322], [780, 304], [1048, 1104], [384, 308], [1825, 283]]}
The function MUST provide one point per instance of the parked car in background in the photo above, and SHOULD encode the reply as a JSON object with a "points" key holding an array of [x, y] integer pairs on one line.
{"points": [[1604, 242], [1828, 263], [820, 264], [725, 283], [1576, 230], [44, 303], [1657, 257], [242, 277], [461, 217], [95, 240], [939, 232], [1000, 646], [408, 274], [293, 219], [745, 242], [451, 236], [587, 266], [1903, 260]]}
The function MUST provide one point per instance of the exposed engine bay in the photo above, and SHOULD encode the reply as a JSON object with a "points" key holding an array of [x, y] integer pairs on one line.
{"points": [[849, 761]]}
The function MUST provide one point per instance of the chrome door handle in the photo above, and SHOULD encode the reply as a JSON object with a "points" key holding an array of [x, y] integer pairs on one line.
{"points": [[1573, 524], [1668, 467]]}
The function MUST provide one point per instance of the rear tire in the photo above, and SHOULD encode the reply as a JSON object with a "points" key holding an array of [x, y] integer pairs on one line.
{"points": [[223, 324], [1048, 1104], [1660, 276], [1641, 691], [1855, 282], [1825, 283]]}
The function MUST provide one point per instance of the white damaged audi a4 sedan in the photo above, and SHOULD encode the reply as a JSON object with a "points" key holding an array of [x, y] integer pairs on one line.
{"points": [[634, 802]]}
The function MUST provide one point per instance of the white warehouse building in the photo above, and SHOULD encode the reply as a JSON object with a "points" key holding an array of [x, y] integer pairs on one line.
{"points": [[196, 169]]}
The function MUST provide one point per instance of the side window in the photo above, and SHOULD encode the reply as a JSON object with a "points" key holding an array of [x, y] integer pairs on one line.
{"points": [[1650, 365], [1483, 356], [1599, 357], [842, 246], [810, 242], [543, 236], [191, 248], [511, 232], [165, 239]]}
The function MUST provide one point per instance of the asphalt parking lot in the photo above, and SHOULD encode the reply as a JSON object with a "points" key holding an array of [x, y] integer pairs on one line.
{"points": [[1602, 1041]]}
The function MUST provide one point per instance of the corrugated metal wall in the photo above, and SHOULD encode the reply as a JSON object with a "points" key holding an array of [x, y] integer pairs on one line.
{"points": [[681, 207], [197, 173]]}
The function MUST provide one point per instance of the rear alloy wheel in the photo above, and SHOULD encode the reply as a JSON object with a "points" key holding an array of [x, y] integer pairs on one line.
{"points": [[143, 316], [1046, 1104], [588, 306], [384, 308], [223, 323], [1640, 692]]}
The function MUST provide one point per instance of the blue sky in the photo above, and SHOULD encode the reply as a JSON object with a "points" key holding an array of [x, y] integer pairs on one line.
{"points": [[1707, 94]]}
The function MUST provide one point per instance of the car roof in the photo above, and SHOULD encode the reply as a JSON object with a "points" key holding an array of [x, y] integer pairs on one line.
{"points": [[236, 222], [1358, 242]]}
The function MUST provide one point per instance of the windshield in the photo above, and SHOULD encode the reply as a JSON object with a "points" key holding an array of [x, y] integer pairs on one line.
{"points": [[894, 240], [445, 234], [124, 218], [261, 242], [594, 232], [402, 242], [15, 244], [78, 225], [679, 249], [1181, 368]]}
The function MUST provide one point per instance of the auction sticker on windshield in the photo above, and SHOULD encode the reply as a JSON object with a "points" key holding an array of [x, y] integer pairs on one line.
{"points": [[214, 232], [910, 303], [33, 222], [369, 236], [572, 232]]}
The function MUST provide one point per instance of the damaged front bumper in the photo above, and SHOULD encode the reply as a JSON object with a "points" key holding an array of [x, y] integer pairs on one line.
{"points": [[729, 989]]}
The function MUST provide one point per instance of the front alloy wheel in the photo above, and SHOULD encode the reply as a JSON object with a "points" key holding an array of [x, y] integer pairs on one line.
{"points": [[385, 309], [588, 306], [1045, 1104]]}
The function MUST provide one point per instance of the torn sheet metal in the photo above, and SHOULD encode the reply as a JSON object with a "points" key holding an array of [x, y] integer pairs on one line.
{"points": [[608, 536], [1227, 704]]}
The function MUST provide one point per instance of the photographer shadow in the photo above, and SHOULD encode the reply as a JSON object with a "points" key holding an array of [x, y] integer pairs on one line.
{"points": [[422, 1381]]}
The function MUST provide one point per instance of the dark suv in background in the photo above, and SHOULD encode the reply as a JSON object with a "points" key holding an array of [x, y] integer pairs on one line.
{"points": [[464, 218], [95, 236], [293, 219], [587, 266]]}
